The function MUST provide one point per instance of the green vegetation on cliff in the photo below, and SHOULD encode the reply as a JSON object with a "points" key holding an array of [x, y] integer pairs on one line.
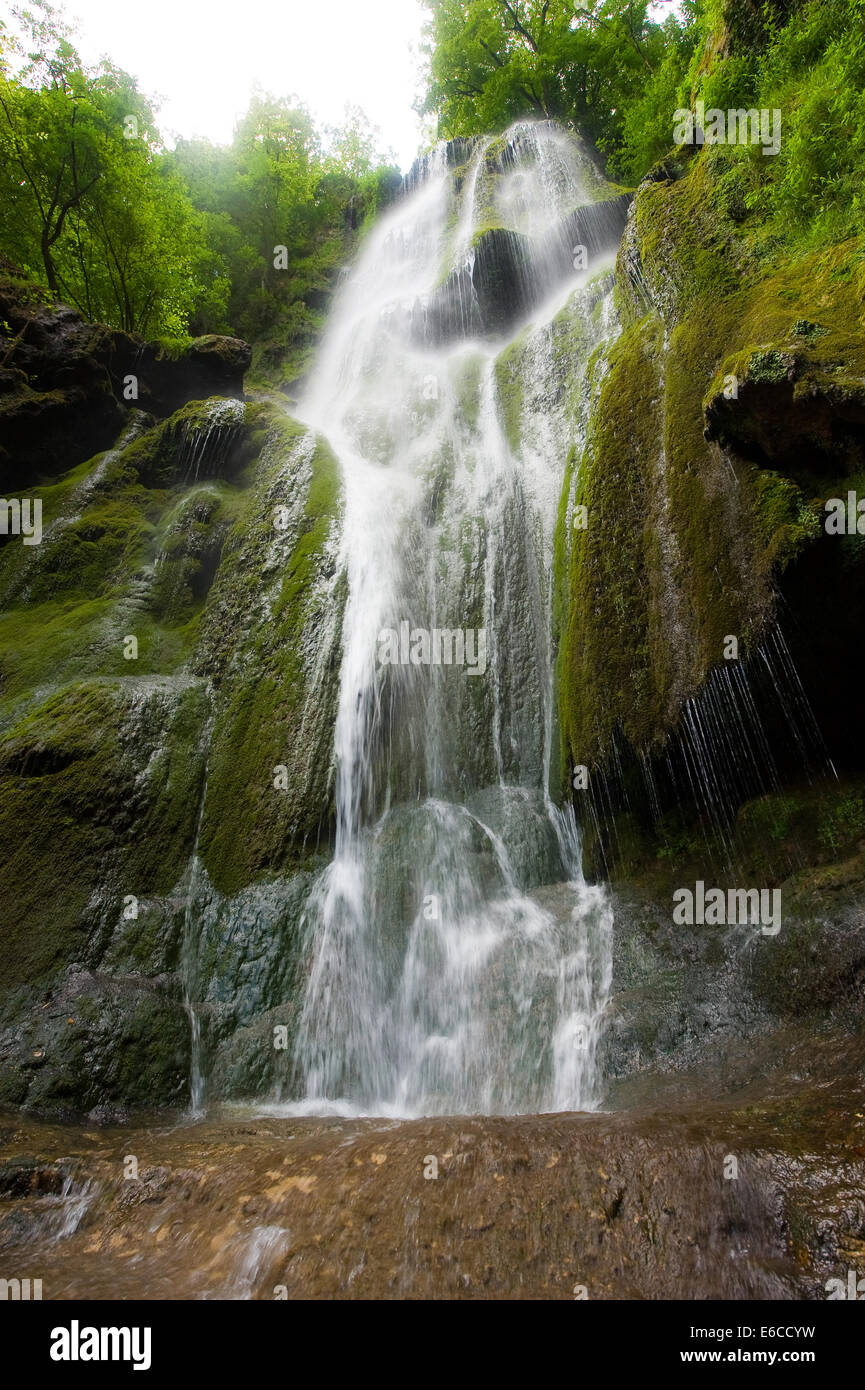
{"points": [[271, 643], [618, 74], [731, 408]]}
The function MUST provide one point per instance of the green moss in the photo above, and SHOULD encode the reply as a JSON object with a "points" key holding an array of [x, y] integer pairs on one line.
{"points": [[278, 677], [607, 660], [118, 559], [91, 551], [768, 366], [98, 795], [685, 543], [785, 521], [190, 543], [804, 328], [843, 823], [819, 822], [172, 349], [177, 450], [466, 373], [509, 388], [688, 248]]}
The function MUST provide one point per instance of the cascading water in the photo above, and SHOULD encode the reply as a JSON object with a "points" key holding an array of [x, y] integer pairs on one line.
{"points": [[458, 961]]}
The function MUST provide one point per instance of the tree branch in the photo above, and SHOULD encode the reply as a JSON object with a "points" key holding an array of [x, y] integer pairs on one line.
{"points": [[20, 158], [495, 57], [605, 24], [518, 26], [69, 205]]}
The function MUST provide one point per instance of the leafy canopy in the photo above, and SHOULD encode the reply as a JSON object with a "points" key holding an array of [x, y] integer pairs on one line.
{"points": [[491, 62], [160, 241]]}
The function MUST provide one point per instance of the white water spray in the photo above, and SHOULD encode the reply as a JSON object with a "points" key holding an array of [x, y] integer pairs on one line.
{"points": [[458, 961]]}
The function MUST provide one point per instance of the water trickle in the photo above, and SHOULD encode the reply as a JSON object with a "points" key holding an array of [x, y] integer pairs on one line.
{"points": [[457, 960], [207, 440], [749, 725], [190, 956]]}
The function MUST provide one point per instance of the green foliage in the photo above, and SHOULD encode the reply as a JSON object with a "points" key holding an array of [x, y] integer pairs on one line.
{"points": [[90, 207], [647, 120], [824, 820], [808, 62], [843, 822], [607, 66], [277, 186], [610, 68], [162, 242]]}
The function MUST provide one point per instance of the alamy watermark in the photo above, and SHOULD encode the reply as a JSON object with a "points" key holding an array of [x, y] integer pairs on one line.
{"points": [[77, 1343], [22, 519], [21, 1290], [713, 907], [854, 1288], [733, 127], [418, 646], [845, 517]]}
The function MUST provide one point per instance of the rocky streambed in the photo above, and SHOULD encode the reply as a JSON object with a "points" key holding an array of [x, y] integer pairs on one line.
{"points": [[755, 1195]]}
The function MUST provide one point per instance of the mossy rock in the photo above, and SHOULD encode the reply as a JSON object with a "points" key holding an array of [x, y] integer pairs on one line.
{"points": [[731, 410], [98, 797], [99, 789], [271, 639], [68, 397]]}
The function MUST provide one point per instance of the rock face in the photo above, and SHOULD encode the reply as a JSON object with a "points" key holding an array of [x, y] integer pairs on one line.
{"points": [[730, 411], [100, 785], [702, 996], [793, 413], [507, 271], [169, 642], [65, 384], [170, 653]]}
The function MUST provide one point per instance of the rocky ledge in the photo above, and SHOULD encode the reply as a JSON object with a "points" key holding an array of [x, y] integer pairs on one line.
{"points": [[66, 386]]}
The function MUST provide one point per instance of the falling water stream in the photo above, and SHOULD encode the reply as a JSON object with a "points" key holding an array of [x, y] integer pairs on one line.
{"points": [[448, 972]]}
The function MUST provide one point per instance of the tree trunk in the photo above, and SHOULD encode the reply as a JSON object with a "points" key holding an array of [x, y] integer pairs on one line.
{"points": [[50, 273]]}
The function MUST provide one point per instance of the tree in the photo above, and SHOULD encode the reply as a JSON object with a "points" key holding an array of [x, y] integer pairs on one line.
{"points": [[493, 61], [91, 207], [157, 241], [51, 140], [355, 146]]}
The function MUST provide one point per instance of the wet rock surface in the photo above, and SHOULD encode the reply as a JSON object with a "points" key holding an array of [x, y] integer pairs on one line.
{"points": [[683, 994], [621, 1205]]}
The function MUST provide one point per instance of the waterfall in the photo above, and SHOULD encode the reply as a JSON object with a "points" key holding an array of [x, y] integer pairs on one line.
{"points": [[458, 962]]}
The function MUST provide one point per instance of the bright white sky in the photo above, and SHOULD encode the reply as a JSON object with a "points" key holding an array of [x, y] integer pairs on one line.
{"points": [[203, 58]]}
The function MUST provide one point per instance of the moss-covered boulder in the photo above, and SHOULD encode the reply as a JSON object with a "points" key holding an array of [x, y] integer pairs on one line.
{"points": [[99, 788], [177, 628]]}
